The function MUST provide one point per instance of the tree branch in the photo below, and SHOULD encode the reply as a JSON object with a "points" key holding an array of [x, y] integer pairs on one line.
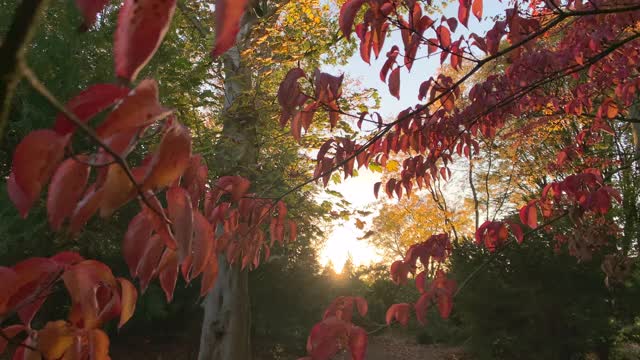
{"points": [[14, 45]]}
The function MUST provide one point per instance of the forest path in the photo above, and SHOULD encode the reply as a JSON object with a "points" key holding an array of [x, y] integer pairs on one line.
{"points": [[394, 347]]}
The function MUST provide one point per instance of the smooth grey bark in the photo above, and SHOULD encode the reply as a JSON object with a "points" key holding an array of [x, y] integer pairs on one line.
{"points": [[226, 326]]}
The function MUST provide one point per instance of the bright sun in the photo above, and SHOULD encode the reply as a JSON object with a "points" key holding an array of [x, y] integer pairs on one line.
{"points": [[343, 241]]}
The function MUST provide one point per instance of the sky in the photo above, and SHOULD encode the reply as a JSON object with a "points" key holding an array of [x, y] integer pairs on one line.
{"points": [[343, 241]]}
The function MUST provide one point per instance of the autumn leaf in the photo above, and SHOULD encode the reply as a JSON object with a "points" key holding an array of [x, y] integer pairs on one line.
{"points": [[394, 82], [66, 188], [171, 159], [138, 110], [90, 102], [180, 213], [141, 27], [203, 243], [34, 160], [398, 312], [54, 339], [348, 12], [128, 296], [228, 16]]}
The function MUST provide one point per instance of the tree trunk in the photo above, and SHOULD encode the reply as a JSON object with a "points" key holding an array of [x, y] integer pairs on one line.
{"points": [[227, 317], [226, 325]]}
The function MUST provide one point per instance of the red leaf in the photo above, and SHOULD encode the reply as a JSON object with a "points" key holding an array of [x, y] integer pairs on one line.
{"points": [[150, 261], [28, 290], [394, 82], [477, 9], [399, 312], [362, 305], [128, 296], [228, 16], [444, 35], [203, 243], [463, 11], [85, 208], [21, 201], [67, 185], [194, 179], [517, 231], [135, 241], [93, 289], [181, 215], [136, 111], [171, 159], [34, 161], [116, 191], [210, 275], [168, 270], [90, 10], [358, 343], [376, 189], [529, 215], [348, 13], [421, 279], [142, 25], [91, 101]]}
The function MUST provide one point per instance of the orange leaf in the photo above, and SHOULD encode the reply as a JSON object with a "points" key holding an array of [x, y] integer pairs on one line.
{"points": [[168, 270], [116, 191], [34, 161], [476, 8], [228, 16], [141, 108], [128, 298], [148, 266], [142, 25], [195, 178], [181, 215], [210, 275], [85, 208], [67, 185], [93, 290], [54, 339], [135, 241], [202, 243], [171, 159], [98, 345]]}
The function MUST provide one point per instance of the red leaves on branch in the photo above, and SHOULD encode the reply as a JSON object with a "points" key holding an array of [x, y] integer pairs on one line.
{"points": [[336, 333], [441, 290], [142, 25], [228, 16], [96, 295]]}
